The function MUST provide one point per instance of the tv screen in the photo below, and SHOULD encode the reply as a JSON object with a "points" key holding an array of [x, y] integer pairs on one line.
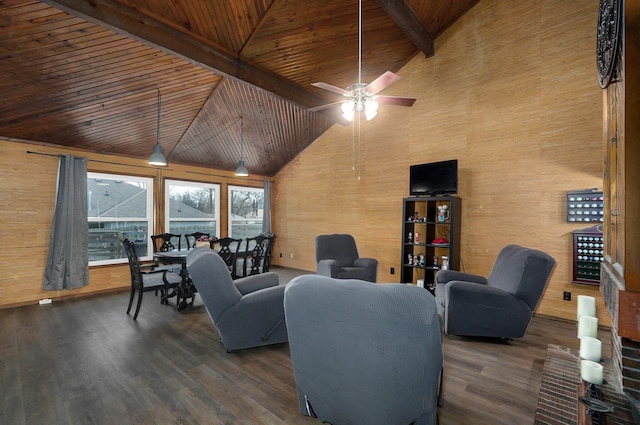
{"points": [[434, 178]]}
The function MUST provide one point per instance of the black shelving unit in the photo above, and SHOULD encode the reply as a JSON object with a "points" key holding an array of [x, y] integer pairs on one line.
{"points": [[430, 237]]}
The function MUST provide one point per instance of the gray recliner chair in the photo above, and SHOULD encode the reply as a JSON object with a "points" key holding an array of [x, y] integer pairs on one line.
{"points": [[248, 312], [364, 353], [337, 257], [500, 305]]}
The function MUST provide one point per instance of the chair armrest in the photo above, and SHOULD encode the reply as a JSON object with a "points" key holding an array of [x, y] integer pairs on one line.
{"points": [[472, 293], [366, 262], [444, 276], [328, 268], [256, 282], [253, 313]]}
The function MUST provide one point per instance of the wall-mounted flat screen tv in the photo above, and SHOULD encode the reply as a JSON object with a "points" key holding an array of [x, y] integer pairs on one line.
{"points": [[434, 178]]}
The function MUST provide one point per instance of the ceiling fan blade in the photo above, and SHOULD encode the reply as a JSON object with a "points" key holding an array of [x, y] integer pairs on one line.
{"points": [[396, 100], [328, 105], [329, 87], [382, 82]]}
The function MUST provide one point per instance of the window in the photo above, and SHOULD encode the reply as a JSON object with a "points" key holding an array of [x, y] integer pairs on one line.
{"points": [[192, 207], [119, 207], [246, 207]]}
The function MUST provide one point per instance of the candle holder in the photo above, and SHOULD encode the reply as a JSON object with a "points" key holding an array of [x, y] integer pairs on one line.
{"points": [[596, 408]]}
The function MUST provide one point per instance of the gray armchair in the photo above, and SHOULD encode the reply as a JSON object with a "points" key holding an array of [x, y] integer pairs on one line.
{"points": [[500, 305], [337, 257], [247, 312], [364, 353]]}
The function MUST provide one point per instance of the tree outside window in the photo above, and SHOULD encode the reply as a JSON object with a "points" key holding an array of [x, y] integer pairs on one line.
{"points": [[246, 208]]}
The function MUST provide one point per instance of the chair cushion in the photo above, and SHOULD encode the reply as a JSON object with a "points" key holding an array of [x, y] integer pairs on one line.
{"points": [[354, 273], [151, 280]]}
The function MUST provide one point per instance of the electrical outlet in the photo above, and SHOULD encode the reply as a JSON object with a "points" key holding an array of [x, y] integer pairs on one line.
{"points": [[566, 296], [280, 255], [392, 270], [291, 255]]}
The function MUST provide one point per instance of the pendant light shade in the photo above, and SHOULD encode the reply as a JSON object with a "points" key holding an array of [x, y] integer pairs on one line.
{"points": [[157, 158], [242, 171]]}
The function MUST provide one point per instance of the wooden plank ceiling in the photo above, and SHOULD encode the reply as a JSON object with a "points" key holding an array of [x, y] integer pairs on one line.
{"points": [[86, 73]]}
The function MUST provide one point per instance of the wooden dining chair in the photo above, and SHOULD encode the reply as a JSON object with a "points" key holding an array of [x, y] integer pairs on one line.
{"points": [[166, 242], [252, 257], [192, 238], [267, 257], [146, 278], [228, 249]]}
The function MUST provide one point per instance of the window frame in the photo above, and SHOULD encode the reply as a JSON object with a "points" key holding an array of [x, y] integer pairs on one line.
{"points": [[191, 183], [230, 220], [149, 218]]}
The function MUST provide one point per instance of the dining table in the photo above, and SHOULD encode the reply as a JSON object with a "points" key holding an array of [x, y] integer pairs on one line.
{"points": [[185, 290]]}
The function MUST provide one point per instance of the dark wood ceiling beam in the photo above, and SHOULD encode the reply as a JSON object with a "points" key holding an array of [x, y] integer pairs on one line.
{"points": [[406, 19], [130, 22]]}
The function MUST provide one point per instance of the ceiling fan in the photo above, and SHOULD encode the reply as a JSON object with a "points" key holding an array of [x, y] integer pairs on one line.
{"points": [[361, 96]]}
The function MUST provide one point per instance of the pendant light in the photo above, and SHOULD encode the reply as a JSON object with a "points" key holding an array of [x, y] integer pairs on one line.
{"points": [[242, 171], [157, 158]]}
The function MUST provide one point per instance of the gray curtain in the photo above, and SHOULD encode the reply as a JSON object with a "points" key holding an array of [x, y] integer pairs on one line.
{"points": [[266, 214], [68, 259]]}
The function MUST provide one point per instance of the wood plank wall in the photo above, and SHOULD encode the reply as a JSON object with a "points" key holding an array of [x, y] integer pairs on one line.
{"points": [[512, 93], [26, 208]]}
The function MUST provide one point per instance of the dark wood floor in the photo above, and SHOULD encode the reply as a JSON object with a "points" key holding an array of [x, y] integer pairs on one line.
{"points": [[85, 361]]}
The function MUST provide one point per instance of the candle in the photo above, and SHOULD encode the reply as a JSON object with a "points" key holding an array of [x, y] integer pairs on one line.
{"points": [[587, 326], [591, 371], [586, 306], [590, 348]]}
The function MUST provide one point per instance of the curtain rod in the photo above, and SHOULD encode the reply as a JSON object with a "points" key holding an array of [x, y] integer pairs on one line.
{"points": [[227, 177], [148, 166], [97, 160]]}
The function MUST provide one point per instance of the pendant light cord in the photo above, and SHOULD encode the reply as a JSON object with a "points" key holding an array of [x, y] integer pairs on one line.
{"points": [[159, 107], [241, 138]]}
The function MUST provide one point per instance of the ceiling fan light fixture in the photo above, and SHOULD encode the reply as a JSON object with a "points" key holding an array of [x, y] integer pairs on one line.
{"points": [[370, 109], [360, 94], [348, 109]]}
